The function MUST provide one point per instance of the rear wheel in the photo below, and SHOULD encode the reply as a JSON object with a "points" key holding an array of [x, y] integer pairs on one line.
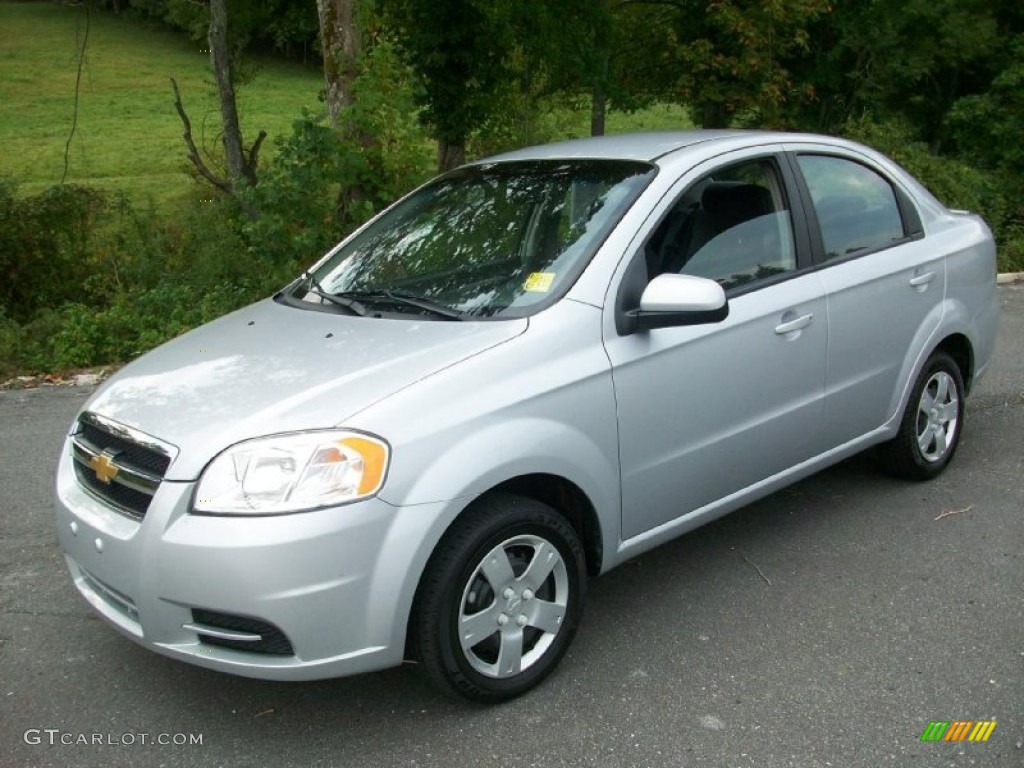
{"points": [[501, 599], [930, 429]]}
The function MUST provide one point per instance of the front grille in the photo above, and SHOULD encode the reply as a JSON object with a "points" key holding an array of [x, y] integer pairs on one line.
{"points": [[118, 465], [134, 503], [138, 456], [271, 639]]}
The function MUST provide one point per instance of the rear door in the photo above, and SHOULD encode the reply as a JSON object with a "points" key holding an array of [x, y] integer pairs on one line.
{"points": [[884, 286]]}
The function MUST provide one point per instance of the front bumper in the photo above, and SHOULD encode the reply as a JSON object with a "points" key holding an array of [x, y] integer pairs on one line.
{"points": [[337, 582]]}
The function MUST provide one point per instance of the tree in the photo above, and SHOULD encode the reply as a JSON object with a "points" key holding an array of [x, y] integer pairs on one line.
{"points": [[241, 165], [340, 46], [483, 64], [599, 66], [730, 56], [239, 170], [902, 59], [987, 126], [565, 49], [458, 50]]}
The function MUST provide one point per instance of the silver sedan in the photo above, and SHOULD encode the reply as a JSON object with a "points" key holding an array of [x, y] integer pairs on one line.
{"points": [[521, 375]]}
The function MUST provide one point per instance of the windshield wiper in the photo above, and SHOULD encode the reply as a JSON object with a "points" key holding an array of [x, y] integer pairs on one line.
{"points": [[428, 305], [340, 299], [402, 298]]}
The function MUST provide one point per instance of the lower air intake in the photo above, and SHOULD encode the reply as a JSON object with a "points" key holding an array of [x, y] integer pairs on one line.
{"points": [[272, 640]]}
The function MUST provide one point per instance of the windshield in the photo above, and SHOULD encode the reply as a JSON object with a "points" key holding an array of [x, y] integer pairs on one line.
{"points": [[494, 240]]}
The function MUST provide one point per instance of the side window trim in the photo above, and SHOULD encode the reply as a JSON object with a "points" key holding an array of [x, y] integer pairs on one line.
{"points": [[802, 226], [912, 226], [808, 213], [910, 218]]}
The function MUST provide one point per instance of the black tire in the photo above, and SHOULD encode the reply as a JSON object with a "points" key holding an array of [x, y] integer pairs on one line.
{"points": [[455, 586], [930, 429]]}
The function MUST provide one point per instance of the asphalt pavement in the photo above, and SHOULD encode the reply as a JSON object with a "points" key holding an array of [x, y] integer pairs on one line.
{"points": [[827, 625]]}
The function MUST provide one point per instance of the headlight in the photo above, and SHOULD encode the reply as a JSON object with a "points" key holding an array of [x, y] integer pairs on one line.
{"points": [[292, 473]]}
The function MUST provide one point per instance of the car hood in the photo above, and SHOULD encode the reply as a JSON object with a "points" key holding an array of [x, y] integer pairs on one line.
{"points": [[271, 368]]}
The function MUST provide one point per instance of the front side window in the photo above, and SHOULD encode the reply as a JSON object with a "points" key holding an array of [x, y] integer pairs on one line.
{"points": [[488, 241], [732, 226], [857, 209]]}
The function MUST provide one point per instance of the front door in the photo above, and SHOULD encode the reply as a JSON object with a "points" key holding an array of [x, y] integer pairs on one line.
{"points": [[706, 411]]}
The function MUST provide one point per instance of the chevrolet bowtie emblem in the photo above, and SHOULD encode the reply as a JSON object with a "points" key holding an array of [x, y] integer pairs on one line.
{"points": [[103, 467]]}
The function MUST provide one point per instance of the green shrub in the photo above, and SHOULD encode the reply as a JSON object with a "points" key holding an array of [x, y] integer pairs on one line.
{"points": [[136, 322], [323, 183], [132, 278], [31, 349], [10, 346], [297, 196], [46, 247]]}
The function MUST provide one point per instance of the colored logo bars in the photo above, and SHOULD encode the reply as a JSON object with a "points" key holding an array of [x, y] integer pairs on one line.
{"points": [[958, 730]]}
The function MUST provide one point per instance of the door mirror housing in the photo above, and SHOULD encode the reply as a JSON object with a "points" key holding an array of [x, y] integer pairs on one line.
{"points": [[672, 300]]}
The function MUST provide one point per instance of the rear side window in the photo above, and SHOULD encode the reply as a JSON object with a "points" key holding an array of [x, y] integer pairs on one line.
{"points": [[857, 208]]}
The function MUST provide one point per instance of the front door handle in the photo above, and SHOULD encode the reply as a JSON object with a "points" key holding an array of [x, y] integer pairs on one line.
{"points": [[921, 281], [791, 326]]}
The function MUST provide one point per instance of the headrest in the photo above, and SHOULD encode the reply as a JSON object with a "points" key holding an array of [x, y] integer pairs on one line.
{"points": [[736, 201]]}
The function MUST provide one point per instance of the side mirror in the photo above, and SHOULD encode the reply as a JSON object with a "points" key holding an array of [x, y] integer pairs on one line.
{"points": [[672, 300]]}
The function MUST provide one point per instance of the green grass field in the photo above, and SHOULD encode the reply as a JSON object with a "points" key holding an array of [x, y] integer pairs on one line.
{"points": [[128, 135]]}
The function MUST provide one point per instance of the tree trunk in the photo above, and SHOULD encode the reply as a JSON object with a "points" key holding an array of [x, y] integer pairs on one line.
{"points": [[598, 108], [602, 49], [220, 57], [450, 154], [341, 45], [713, 114]]}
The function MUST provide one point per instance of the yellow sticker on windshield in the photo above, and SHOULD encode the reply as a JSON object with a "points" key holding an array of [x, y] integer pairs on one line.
{"points": [[539, 282]]}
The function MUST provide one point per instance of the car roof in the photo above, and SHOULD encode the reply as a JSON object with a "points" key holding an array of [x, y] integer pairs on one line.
{"points": [[679, 149], [634, 146]]}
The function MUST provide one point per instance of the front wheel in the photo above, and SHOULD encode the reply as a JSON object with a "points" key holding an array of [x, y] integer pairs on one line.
{"points": [[501, 599], [930, 430]]}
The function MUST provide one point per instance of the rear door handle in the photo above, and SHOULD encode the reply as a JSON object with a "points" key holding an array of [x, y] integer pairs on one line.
{"points": [[922, 280], [793, 325]]}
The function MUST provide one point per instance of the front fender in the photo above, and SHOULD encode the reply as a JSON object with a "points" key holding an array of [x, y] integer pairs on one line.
{"points": [[541, 403], [468, 468], [540, 447], [488, 457]]}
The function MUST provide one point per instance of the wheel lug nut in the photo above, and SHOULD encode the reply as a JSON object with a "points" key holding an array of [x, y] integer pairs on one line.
{"points": [[527, 594], [521, 620], [508, 593], [502, 619]]}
